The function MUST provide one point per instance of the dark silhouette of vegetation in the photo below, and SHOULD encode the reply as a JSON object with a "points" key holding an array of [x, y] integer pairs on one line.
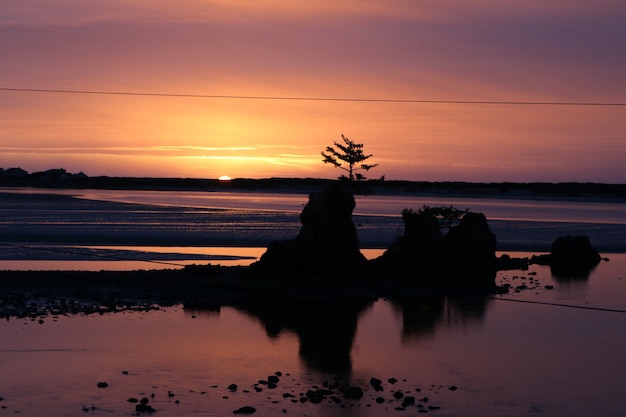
{"points": [[60, 178], [350, 153], [446, 216]]}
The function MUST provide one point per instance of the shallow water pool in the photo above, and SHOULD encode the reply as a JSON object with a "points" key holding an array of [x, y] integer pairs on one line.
{"points": [[552, 347]]}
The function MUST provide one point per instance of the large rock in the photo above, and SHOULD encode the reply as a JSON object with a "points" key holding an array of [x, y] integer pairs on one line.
{"points": [[423, 249], [575, 250], [326, 244], [471, 243]]}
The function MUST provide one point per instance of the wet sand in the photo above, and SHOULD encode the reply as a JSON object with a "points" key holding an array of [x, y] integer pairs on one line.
{"points": [[63, 219]]}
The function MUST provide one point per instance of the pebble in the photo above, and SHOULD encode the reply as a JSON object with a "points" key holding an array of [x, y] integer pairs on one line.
{"points": [[144, 408], [325, 392], [273, 379]]}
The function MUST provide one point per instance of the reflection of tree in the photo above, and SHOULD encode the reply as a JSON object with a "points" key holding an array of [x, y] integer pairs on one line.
{"points": [[325, 328], [423, 315]]}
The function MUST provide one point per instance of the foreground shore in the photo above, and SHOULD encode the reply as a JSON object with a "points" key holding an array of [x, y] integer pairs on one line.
{"points": [[39, 293]]}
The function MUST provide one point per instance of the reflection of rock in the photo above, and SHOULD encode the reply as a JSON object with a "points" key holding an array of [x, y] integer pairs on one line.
{"points": [[327, 242], [571, 257], [325, 328]]}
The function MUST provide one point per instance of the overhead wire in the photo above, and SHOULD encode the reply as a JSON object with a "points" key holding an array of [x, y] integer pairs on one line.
{"points": [[327, 99]]}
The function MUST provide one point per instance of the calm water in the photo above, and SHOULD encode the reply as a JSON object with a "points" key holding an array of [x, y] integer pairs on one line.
{"points": [[376, 205], [505, 356], [554, 347]]}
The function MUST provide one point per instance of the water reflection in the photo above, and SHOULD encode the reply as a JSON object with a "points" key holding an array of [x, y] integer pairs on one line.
{"points": [[423, 316], [500, 354], [325, 329], [568, 273]]}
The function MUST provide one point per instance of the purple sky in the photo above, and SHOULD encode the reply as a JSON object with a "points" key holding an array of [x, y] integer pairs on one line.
{"points": [[535, 51]]}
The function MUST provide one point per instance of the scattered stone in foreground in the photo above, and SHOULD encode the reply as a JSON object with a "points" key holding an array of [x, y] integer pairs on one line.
{"points": [[143, 406], [273, 379], [376, 383], [245, 410], [337, 393]]}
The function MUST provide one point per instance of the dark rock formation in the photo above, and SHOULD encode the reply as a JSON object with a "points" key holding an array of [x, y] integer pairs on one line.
{"points": [[421, 245], [571, 257], [326, 244], [423, 248], [575, 250], [471, 243]]}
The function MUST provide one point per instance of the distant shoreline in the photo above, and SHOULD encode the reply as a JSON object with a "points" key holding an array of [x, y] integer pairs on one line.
{"points": [[573, 191]]}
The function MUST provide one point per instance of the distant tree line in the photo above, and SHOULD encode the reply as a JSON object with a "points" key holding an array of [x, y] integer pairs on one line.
{"points": [[61, 178]]}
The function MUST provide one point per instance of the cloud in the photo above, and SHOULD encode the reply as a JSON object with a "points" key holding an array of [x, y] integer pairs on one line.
{"points": [[411, 49]]}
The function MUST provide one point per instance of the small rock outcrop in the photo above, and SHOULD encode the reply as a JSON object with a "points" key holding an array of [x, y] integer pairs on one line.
{"points": [[327, 242], [570, 257]]}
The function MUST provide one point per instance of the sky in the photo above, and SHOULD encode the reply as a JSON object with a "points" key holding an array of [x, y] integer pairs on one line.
{"points": [[434, 90]]}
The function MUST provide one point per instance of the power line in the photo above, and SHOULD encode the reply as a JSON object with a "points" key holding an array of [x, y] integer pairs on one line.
{"points": [[335, 99]]}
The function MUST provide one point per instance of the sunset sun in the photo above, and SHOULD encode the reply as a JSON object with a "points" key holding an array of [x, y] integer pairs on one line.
{"points": [[224, 178]]}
